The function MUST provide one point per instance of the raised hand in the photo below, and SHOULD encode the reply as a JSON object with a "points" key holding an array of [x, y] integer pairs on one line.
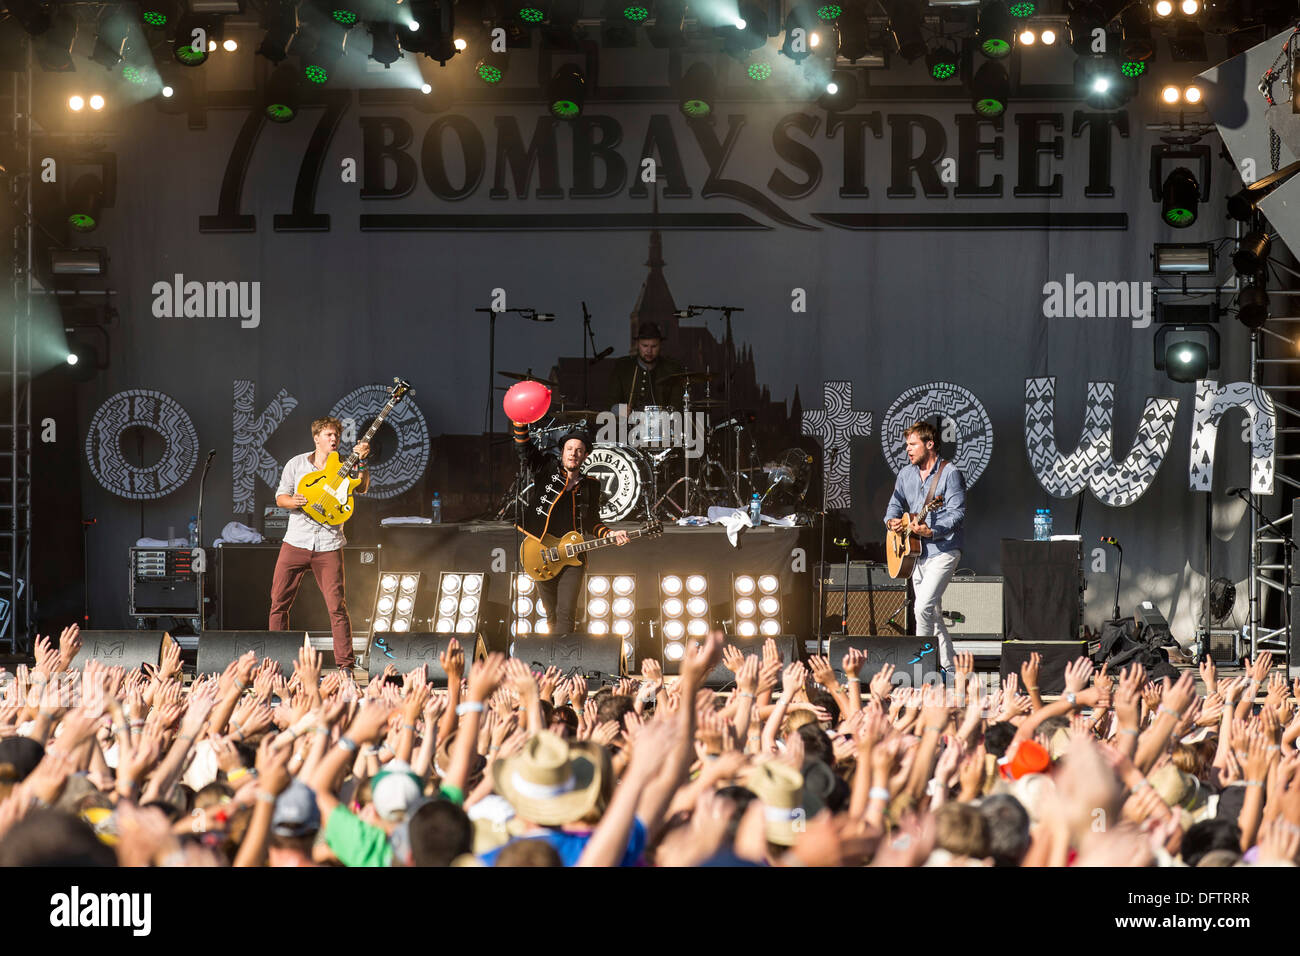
{"points": [[546, 684], [732, 658], [171, 662], [308, 667], [486, 675], [771, 652], [452, 661], [747, 677], [1209, 674], [700, 658], [1258, 670], [1077, 674], [1180, 695], [793, 678], [520, 679], [822, 672], [853, 661], [882, 683], [69, 645], [769, 673]]}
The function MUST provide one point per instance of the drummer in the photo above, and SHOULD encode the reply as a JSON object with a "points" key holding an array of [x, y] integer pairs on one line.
{"points": [[638, 381]]}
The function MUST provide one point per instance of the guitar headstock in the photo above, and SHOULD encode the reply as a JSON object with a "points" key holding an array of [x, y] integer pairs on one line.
{"points": [[400, 389], [653, 528]]}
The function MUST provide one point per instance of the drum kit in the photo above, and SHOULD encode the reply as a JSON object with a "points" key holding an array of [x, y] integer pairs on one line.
{"points": [[669, 463]]}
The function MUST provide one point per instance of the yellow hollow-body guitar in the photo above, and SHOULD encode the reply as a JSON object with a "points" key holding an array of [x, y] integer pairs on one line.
{"points": [[329, 491], [545, 558]]}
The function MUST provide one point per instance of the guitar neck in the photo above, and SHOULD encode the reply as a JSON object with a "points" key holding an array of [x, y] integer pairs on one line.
{"points": [[595, 543], [352, 459]]}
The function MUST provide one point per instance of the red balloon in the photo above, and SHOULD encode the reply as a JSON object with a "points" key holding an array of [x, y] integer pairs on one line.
{"points": [[526, 402]]}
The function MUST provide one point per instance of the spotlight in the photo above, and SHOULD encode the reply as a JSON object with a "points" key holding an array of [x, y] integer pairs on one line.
{"points": [[383, 43], [801, 37], [1170, 95], [1252, 253], [76, 103], [942, 62], [54, 47], [698, 91], [1085, 19], [1189, 8], [168, 92], [110, 38], [283, 94], [1163, 8], [82, 361], [990, 90], [567, 92], [395, 599], [280, 20], [431, 30], [1252, 305], [1192, 95], [841, 92], [748, 31], [671, 584], [1101, 83], [1026, 37], [1186, 352], [994, 34], [906, 27], [491, 69], [96, 102], [1179, 198], [230, 46], [1048, 37]]}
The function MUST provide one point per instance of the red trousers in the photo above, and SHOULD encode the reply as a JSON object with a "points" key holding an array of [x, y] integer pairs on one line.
{"points": [[327, 566]]}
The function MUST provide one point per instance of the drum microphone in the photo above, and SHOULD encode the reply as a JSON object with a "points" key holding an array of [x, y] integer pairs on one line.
{"points": [[686, 313], [602, 354], [734, 421]]}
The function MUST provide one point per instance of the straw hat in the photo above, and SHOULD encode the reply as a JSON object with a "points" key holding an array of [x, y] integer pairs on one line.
{"points": [[779, 788], [551, 781]]}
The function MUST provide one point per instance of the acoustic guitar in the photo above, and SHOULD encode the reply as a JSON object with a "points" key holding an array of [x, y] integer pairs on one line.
{"points": [[544, 558], [903, 547], [329, 491]]}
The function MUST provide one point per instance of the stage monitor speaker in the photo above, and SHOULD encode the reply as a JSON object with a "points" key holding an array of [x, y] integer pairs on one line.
{"points": [[1056, 656], [972, 604], [915, 659], [218, 648], [1043, 588], [596, 658], [408, 651], [244, 573], [127, 649], [877, 603], [721, 678]]}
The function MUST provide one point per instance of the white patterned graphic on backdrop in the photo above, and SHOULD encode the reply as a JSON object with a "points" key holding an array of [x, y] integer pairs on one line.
{"points": [[398, 469], [248, 459], [1212, 401], [965, 431], [836, 425], [157, 412], [1092, 463]]}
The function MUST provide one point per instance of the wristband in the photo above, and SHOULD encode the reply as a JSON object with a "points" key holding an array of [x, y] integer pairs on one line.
{"points": [[1129, 730], [265, 797], [323, 731], [745, 693], [348, 744], [410, 727], [854, 679], [1072, 698], [1031, 687], [1162, 709], [239, 773], [469, 707], [878, 793], [1254, 783]]}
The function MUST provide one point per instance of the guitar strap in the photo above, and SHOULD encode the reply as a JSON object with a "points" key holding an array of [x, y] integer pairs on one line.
{"points": [[934, 484]]}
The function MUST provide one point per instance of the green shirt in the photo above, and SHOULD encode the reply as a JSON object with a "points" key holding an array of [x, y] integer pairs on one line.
{"points": [[355, 842]]}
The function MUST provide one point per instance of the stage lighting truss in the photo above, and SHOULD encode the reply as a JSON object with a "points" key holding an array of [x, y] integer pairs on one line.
{"points": [[460, 602], [611, 607], [395, 601], [756, 605], [1181, 191], [528, 616], [683, 612]]}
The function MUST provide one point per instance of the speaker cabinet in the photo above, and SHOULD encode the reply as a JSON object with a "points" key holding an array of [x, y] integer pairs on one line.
{"points": [[1056, 656], [915, 659], [972, 605], [408, 651], [244, 573], [720, 678], [218, 648], [876, 603], [596, 658], [127, 649]]}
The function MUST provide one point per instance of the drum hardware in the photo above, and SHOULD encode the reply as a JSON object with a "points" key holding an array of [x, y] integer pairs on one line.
{"points": [[530, 377]]}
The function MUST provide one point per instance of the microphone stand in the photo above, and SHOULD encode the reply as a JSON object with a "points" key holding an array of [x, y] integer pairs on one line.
{"points": [[198, 527], [1119, 572], [489, 411], [821, 578], [728, 371]]}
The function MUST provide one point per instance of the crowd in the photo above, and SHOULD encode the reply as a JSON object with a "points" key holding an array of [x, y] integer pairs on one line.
{"points": [[790, 766]]}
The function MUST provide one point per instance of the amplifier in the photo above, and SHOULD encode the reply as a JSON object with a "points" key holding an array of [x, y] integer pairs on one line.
{"points": [[244, 573], [877, 603], [160, 581], [275, 522], [973, 605]]}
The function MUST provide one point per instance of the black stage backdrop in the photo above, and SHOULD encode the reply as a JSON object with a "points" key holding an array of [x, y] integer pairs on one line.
{"points": [[903, 260]]}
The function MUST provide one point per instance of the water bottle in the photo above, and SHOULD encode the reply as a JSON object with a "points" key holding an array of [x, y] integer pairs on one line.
{"points": [[194, 531], [1038, 524], [1047, 524], [437, 508], [755, 509]]}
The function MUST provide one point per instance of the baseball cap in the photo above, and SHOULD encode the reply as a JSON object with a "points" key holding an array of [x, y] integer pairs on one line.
{"points": [[296, 813]]}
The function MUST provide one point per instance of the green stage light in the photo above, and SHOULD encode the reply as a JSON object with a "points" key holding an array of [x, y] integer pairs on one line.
{"points": [[1133, 68], [994, 34], [488, 73], [154, 18], [316, 74], [279, 112], [942, 62], [636, 13], [566, 92], [344, 16], [1180, 197], [81, 222], [531, 15], [759, 71], [133, 74], [990, 90], [186, 55], [829, 12], [1023, 9], [698, 91]]}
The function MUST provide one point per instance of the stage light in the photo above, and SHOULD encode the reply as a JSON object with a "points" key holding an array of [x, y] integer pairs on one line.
{"points": [[1186, 352], [1190, 8], [770, 628], [906, 28], [189, 48], [1252, 305], [697, 584], [460, 44], [744, 584], [383, 43], [942, 62], [598, 607], [1048, 37], [671, 584], [746, 628], [280, 20], [567, 92], [1192, 95], [674, 652], [1026, 37], [697, 607], [610, 617], [597, 584], [1176, 258], [523, 606], [529, 614], [1022, 9], [1180, 198], [697, 627], [768, 584], [135, 75], [1084, 20], [76, 103], [155, 14], [624, 585], [491, 69], [698, 91], [673, 607], [31, 15], [96, 102], [230, 46], [990, 90], [800, 32], [622, 607], [395, 600], [86, 195], [73, 358], [1171, 95], [1164, 8], [54, 47], [670, 16], [1252, 253], [635, 13], [994, 34], [829, 12], [597, 628], [746, 607], [283, 94], [841, 92], [1100, 84], [110, 38], [674, 630]]}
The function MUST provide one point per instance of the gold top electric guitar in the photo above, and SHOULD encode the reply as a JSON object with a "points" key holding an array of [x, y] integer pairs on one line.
{"points": [[329, 491], [545, 558], [903, 547]]}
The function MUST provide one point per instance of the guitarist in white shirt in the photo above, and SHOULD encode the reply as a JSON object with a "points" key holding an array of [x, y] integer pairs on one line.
{"points": [[559, 501], [311, 544], [941, 532]]}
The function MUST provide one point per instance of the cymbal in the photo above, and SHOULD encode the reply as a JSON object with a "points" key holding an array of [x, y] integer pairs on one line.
{"points": [[707, 403], [521, 377], [692, 376]]}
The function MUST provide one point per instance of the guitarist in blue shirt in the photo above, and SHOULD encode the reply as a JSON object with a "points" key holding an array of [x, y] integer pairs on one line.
{"points": [[561, 500], [928, 476]]}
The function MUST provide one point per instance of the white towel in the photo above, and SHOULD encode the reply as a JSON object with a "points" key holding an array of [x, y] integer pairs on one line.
{"points": [[237, 533], [162, 543], [733, 519], [403, 521]]}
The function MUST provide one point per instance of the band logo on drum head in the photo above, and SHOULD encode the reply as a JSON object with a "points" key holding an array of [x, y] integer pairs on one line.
{"points": [[618, 469]]}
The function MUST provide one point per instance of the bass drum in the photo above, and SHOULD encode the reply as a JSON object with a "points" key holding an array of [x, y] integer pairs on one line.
{"points": [[624, 474]]}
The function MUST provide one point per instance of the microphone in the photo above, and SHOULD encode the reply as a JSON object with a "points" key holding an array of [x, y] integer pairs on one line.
{"points": [[1110, 540], [1237, 491], [686, 313], [212, 452], [734, 420], [602, 354], [543, 316]]}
